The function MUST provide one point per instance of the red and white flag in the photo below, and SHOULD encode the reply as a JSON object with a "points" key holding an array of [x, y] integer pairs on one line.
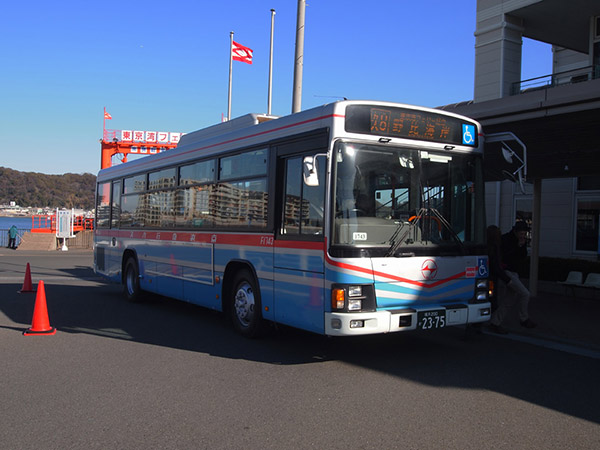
{"points": [[107, 115], [241, 53]]}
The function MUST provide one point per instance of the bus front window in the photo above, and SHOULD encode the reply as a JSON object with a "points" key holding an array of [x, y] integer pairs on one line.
{"points": [[392, 199]]}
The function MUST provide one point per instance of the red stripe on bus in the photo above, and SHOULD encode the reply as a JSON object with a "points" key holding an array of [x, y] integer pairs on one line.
{"points": [[255, 240], [303, 245], [374, 273]]}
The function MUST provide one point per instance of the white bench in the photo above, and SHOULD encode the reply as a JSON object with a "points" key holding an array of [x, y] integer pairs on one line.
{"points": [[575, 280]]}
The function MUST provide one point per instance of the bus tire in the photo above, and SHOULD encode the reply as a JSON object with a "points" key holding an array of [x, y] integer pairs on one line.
{"points": [[131, 281], [245, 306]]}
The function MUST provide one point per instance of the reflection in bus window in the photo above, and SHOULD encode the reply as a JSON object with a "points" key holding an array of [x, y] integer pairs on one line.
{"points": [[162, 179], [200, 172], [193, 207], [304, 205], [134, 184], [241, 204], [116, 204], [132, 211], [247, 164], [103, 206]]}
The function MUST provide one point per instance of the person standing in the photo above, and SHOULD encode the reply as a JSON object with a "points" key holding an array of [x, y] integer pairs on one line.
{"points": [[12, 237], [497, 273], [513, 254]]}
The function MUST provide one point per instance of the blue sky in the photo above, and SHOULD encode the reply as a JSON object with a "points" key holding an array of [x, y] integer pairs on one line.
{"points": [[163, 66]]}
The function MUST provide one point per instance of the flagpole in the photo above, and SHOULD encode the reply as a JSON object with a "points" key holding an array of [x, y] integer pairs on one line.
{"points": [[230, 74], [271, 64], [299, 58], [104, 123]]}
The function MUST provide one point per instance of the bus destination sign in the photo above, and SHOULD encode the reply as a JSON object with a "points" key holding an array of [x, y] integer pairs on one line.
{"points": [[410, 124]]}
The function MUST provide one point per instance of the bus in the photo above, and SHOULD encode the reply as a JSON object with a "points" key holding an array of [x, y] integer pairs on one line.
{"points": [[351, 218]]}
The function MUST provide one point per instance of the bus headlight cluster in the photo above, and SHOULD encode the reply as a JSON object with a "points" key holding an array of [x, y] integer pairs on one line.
{"points": [[352, 298], [354, 304], [481, 290]]}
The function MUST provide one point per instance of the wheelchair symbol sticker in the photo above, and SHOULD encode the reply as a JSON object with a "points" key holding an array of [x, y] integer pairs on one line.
{"points": [[482, 267], [468, 134]]}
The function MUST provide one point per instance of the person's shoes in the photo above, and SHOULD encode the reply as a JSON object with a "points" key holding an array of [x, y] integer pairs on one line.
{"points": [[528, 324], [498, 329]]}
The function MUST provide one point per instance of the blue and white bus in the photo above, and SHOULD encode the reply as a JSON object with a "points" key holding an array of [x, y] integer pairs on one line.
{"points": [[347, 219]]}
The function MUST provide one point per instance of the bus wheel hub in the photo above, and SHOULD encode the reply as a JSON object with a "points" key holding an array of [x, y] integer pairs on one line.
{"points": [[244, 304]]}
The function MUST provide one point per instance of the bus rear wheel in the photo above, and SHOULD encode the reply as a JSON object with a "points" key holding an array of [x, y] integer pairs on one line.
{"points": [[131, 281], [244, 305]]}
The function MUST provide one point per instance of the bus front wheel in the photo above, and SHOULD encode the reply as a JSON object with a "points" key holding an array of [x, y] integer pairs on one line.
{"points": [[131, 281], [244, 305]]}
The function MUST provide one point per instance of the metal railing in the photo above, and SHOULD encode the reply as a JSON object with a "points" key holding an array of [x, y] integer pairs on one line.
{"points": [[46, 223], [556, 79], [4, 237]]}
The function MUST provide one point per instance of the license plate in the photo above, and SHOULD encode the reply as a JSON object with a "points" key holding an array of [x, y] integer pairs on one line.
{"points": [[427, 320]]}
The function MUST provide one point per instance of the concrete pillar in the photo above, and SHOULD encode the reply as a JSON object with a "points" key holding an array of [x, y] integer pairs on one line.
{"points": [[535, 237], [498, 45]]}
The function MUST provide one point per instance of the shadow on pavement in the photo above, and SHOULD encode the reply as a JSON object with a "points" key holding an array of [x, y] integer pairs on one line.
{"points": [[443, 358]]}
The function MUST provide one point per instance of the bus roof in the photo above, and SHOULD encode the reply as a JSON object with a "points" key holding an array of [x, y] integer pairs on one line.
{"points": [[244, 131], [224, 127]]}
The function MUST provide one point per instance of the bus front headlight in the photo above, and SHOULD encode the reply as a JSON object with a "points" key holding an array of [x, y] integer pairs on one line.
{"points": [[354, 304]]}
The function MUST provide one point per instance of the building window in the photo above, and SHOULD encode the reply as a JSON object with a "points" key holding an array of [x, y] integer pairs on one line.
{"points": [[588, 213], [523, 211], [588, 183]]}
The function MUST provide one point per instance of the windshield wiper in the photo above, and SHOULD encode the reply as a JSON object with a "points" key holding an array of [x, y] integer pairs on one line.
{"points": [[446, 225], [395, 244]]}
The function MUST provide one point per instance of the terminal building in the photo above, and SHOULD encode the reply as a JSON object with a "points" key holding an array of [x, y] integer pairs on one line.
{"points": [[557, 117]]}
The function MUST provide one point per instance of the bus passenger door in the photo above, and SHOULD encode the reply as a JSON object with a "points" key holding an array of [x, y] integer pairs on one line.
{"points": [[106, 255], [299, 245]]}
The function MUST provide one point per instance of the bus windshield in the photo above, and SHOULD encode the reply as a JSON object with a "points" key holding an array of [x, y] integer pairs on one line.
{"points": [[395, 201]]}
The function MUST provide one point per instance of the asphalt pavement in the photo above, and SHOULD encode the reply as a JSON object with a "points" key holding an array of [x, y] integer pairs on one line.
{"points": [[567, 318], [165, 374]]}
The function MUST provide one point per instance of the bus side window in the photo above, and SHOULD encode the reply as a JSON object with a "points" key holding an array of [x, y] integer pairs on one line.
{"points": [[303, 204], [116, 204], [103, 205]]}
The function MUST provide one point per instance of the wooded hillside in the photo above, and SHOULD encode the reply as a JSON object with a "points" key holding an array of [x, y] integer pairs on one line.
{"points": [[30, 189]]}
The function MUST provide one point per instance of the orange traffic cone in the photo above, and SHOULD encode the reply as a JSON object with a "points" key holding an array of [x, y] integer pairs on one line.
{"points": [[27, 285], [40, 323]]}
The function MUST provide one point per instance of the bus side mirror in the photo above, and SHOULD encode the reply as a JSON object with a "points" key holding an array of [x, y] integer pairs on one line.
{"points": [[309, 171], [512, 164]]}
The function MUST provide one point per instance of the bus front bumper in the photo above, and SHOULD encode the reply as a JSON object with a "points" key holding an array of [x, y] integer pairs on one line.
{"points": [[355, 324]]}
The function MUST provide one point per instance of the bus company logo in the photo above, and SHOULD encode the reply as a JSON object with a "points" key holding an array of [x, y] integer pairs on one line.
{"points": [[266, 240], [429, 269]]}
